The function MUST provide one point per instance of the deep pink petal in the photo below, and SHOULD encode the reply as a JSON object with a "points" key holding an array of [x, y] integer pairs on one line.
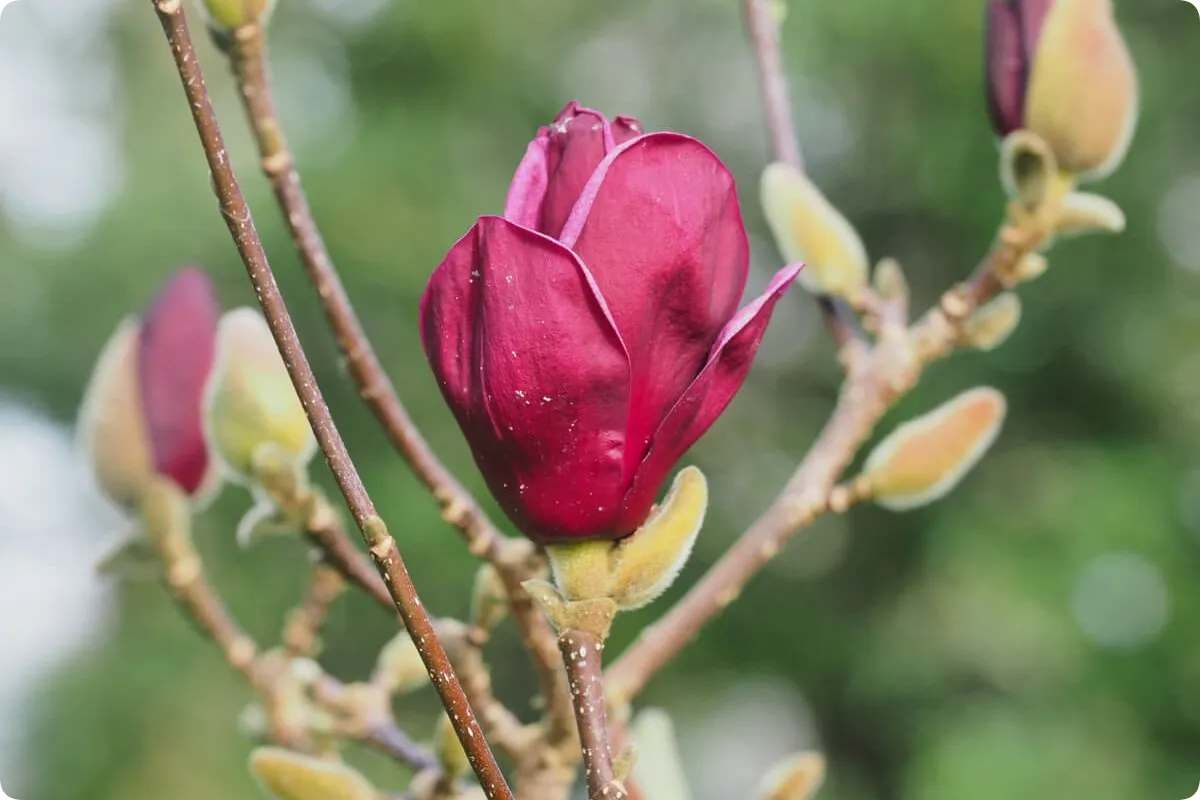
{"points": [[176, 348], [532, 367], [528, 187], [1005, 67], [580, 138], [660, 228], [705, 399]]}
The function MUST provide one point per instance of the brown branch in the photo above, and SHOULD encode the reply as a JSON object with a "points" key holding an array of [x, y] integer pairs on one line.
{"points": [[581, 654], [763, 28], [249, 62], [382, 545], [877, 379], [169, 528], [302, 631]]}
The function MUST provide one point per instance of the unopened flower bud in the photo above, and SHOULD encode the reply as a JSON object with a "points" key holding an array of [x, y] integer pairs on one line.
{"points": [[923, 459], [251, 401], [993, 322], [449, 749], [399, 668], [141, 412], [797, 777], [226, 16], [809, 230], [286, 775], [1061, 69]]}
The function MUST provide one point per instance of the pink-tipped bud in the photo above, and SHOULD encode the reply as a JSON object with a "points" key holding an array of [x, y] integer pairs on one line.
{"points": [[141, 411], [1061, 69]]}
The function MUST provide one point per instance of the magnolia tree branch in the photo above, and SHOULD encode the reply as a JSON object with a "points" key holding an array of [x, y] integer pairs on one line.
{"points": [[183, 570], [762, 24], [581, 652], [302, 632], [248, 57], [877, 379], [380, 543]]}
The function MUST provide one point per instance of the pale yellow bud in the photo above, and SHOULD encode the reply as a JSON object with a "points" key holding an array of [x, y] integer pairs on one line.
{"points": [[808, 229], [797, 777], [111, 429], [993, 322], [923, 459], [226, 16], [1082, 96], [399, 668], [449, 750], [285, 775], [251, 401]]}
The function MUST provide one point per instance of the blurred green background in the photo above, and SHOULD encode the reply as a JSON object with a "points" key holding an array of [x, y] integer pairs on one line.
{"points": [[1033, 635]]}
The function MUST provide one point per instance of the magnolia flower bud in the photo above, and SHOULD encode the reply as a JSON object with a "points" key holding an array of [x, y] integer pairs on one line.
{"points": [[1083, 93], [1061, 69], [111, 429], [923, 459], [993, 322], [797, 777], [285, 775], [251, 402], [140, 415], [449, 750], [226, 16], [809, 230], [399, 668]]}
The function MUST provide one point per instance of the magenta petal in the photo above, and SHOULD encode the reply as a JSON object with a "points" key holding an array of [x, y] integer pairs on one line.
{"points": [[528, 187], [705, 399], [532, 367], [660, 228], [1005, 67], [579, 138], [176, 348]]}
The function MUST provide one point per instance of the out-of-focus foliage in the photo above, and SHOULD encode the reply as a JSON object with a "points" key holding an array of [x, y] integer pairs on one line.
{"points": [[1032, 635]]}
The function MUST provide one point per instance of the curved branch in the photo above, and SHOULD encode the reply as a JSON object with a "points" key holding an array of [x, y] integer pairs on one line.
{"points": [[382, 545]]}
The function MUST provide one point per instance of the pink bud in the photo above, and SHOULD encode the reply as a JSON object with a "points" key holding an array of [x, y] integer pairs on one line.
{"points": [[142, 409]]}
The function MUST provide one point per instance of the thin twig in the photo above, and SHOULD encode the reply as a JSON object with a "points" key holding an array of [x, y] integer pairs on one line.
{"points": [[763, 27], [249, 62], [502, 727], [876, 380], [302, 631], [381, 544], [170, 533], [582, 653], [387, 738]]}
